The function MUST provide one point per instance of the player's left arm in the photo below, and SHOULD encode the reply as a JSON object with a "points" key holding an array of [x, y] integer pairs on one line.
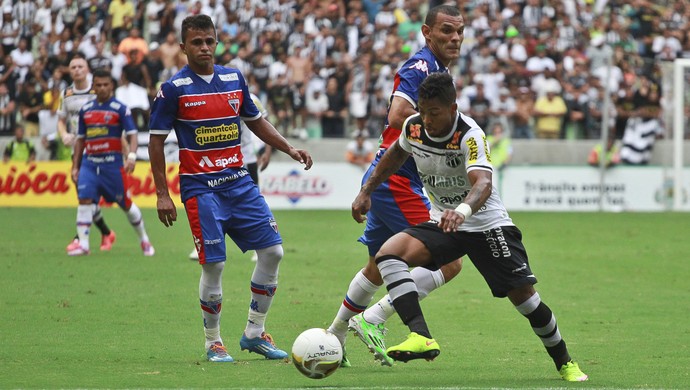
{"points": [[267, 133]]}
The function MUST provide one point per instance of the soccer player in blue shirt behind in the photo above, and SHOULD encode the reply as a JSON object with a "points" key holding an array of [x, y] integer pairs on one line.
{"points": [[98, 167], [204, 104]]}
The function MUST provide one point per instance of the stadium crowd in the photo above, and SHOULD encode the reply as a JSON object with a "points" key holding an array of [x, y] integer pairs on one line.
{"points": [[326, 68]]}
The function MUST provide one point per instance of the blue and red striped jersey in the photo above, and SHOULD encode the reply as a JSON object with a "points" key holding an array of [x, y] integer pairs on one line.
{"points": [[205, 116]]}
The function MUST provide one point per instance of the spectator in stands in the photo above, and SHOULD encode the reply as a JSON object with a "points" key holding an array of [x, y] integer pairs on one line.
{"points": [[89, 16], [500, 146], [503, 110], [333, 119], [22, 58], [480, 106], [357, 92], [67, 15], [549, 112], [7, 107], [19, 149], [132, 42], [360, 151], [9, 31], [316, 105], [120, 15], [30, 102], [576, 100], [9, 75], [644, 127]]}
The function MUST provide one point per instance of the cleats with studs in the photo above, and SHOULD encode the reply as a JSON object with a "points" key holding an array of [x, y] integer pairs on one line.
{"points": [[571, 372], [262, 345], [373, 336], [108, 241], [218, 353], [415, 347]]}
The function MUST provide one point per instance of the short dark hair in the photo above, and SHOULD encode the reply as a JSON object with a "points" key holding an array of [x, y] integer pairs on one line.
{"points": [[449, 10], [196, 22], [102, 72], [438, 86]]}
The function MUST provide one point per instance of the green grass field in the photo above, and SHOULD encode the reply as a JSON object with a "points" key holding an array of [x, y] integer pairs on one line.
{"points": [[618, 283]]}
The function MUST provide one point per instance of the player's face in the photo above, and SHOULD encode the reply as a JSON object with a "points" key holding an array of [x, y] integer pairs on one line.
{"points": [[438, 117], [103, 87], [78, 69], [445, 37], [199, 46]]}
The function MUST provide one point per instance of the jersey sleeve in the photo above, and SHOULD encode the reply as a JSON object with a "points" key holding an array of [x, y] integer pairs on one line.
{"points": [[410, 76], [164, 110], [476, 151], [402, 140], [248, 110], [128, 124], [62, 110]]}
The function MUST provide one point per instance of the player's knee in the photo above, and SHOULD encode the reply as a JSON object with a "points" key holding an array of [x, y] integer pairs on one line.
{"points": [[271, 255], [371, 272], [451, 270]]}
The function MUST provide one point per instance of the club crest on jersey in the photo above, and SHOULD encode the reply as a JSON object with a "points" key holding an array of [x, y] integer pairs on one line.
{"points": [[453, 159], [274, 224], [415, 131], [235, 105]]}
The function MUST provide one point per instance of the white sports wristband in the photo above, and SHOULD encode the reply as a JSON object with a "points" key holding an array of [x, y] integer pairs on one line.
{"points": [[132, 156], [464, 209]]}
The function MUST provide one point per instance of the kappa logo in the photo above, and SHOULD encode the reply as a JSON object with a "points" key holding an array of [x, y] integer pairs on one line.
{"points": [[220, 162], [420, 65]]}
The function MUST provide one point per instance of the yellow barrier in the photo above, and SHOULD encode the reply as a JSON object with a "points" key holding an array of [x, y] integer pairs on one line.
{"points": [[48, 184]]}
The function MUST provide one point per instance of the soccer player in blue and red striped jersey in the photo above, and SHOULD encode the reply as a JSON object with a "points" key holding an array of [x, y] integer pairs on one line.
{"points": [[204, 104], [99, 168]]}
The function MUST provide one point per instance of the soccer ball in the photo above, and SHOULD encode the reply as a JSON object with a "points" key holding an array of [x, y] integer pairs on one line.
{"points": [[317, 353]]}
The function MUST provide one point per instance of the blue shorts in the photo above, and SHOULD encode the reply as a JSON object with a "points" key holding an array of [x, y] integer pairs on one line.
{"points": [[106, 180], [240, 212], [396, 204]]}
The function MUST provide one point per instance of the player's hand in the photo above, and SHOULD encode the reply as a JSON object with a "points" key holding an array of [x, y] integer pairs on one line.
{"points": [[302, 156], [450, 220], [129, 165], [263, 161], [360, 207], [74, 175], [68, 139], [167, 213]]}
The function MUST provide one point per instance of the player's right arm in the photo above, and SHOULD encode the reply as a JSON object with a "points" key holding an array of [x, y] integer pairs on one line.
{"points": [[167, 213], [65, 136], [392, 160], [400, 110], [163, 113]]}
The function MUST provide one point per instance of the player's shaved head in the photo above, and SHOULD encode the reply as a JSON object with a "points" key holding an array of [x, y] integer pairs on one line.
{"points": [[441, 9]]}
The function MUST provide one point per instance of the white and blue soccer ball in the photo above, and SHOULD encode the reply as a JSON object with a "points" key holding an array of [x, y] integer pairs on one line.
{"points": [[317, 353]]}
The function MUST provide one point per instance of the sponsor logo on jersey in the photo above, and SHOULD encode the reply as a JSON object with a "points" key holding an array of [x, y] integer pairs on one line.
{"points": [[159, 94], [93, 132], [195, 104], [474, 150], [220, 162], [183, 81], [454, 142], [415, 131], [486, 147], [222, 133], [453, 159], [420, 65], [228, 77], [115, 105]]}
